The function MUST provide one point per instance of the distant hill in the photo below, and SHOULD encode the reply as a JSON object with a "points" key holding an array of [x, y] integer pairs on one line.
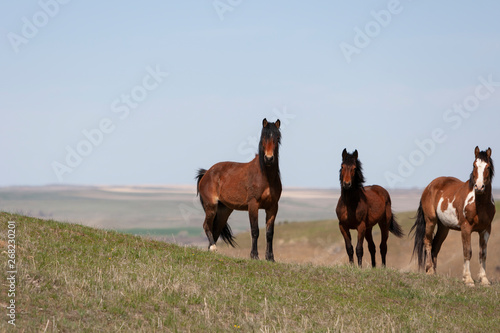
{"points": [[171, 212]]}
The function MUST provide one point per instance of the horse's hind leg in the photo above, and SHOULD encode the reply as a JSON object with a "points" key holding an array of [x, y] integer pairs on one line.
{"points": [[208, 226], [371, 246], [483, 242], [359, 246], [441, 234], [384, 233], [430, 225], [207, 190]]}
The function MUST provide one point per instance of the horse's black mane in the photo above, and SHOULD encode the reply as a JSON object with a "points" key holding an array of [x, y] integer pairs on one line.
{"points": [[270, 132], [483, 156], [359, 179]]}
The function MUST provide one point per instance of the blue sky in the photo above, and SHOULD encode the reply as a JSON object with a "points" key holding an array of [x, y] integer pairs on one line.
{"points": [[163, 88]]}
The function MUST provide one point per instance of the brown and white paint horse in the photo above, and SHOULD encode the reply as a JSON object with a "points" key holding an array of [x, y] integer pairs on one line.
{"points": [[251, 186], [361, 207], [449, 203]]}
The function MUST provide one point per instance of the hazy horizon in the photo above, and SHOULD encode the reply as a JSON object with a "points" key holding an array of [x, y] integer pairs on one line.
{"points": [[193, 186]]}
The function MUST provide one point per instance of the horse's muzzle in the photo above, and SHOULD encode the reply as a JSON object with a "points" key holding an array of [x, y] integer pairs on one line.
{"points": [[479, 189], [268, 160]]}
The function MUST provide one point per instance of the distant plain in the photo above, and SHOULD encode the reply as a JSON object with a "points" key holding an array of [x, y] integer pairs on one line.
{"points": [[172, 212]]}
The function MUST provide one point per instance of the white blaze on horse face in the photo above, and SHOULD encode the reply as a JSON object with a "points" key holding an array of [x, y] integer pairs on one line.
{"points": [[481, 165], [471, 197], [448, 216]]}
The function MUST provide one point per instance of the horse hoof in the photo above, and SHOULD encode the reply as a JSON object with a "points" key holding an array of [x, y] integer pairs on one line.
{"points": [[271, 259], [213, 248], [485, 282], [469, 282], [254, 256]]}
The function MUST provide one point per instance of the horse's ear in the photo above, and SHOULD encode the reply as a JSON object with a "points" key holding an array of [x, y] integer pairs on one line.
{"points": [[355, 154], [344, 154], [488, 152], [278, 123], [477, 151], [264, 122]]}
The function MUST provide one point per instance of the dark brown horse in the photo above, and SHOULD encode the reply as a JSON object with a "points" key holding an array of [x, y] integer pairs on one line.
{"points": [[449, 203], [361, 207], [251, 186]]}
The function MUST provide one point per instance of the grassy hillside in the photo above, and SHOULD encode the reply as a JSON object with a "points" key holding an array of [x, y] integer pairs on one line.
{"points": [[72, 278]]}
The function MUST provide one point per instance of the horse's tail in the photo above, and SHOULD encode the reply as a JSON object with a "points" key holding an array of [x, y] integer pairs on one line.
{"points": [[227, 235], [395, 228], [221, 217], [418, 246], [199, 176]]}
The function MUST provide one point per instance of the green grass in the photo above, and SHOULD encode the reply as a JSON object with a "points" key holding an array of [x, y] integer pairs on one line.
{"points": [[73, 278], [183, 231]]}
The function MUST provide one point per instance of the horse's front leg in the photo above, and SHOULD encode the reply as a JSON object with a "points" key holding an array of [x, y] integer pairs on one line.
{"points": [[359, 246], [270, 218], [253, 212], [372, 248], [483, 242], [466, 230], [347, 239]]}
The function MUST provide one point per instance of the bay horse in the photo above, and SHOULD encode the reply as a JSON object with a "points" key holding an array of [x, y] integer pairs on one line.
{"points": [[361, 207], [251, 186], [449, 203]]}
